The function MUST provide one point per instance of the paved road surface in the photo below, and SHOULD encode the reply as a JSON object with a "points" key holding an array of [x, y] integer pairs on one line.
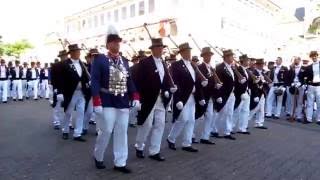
{"points": [[31, 149]]}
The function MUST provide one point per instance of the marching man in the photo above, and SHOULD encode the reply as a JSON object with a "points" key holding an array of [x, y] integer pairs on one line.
{"points": [[242, 102], [277, 75], [24, 79], [153, 84], [44, 75], [75, 92], [225, 98], [209, 92], [4, 76], [257, 98], [184, 100], [112, 89], [311, 75], [32, 78], [296, 91], [16, 75]]}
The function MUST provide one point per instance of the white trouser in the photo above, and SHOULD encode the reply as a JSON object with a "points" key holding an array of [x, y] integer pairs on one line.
{"points": [[209, 121], [24, 87], [4, 90], [33, 88], [313, 95], [116, 121], [299, 103], [185, 121], [289, 102], [88, 115], [241, 115], [58, 114], [270, 100], [259, 112], [45, 90], [156, 122], [224, 118], [17, 89], [77, 101], [9, 88], [133, 116]]}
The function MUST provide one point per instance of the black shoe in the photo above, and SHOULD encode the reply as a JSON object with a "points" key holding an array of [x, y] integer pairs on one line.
{"points": [[132, 125], [56, 127], [71, 128], [5, 102], [261, 127], [27, 97], [139, 154], [157, 157], [276, 117], [36, 99], [288, 115], [229, 137], [268, 116], [299, 120], [318, 122], [21, 100], [123, 169], [92, 122], [194, 141], [233, 133], [189, 149], [80, 139], [47, 98], [204, 141], [171, 145], [84, 132], [65, 136], [96, 133], [247, 133], [14, 100], [99, 164], [214, 134]]}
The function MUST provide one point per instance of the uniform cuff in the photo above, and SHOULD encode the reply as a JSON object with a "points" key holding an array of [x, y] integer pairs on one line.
{"points": [[135, 96], [96, 101]]}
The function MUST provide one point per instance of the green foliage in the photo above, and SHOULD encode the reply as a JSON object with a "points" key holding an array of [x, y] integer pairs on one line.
{"points": [[14, 49]]}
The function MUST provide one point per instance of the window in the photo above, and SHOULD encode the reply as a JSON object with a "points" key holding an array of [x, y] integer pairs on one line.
{"points": [[83, 24], [95, 21], [89, 22], [124, 12], [102, 19], [132, 10], [116, 15], [141, 8], [151, 6], [109, 16], [79, 25]]}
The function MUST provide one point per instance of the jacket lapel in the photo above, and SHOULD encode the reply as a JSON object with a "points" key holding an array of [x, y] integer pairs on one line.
{"points": [[73, 69], [154, 68]]}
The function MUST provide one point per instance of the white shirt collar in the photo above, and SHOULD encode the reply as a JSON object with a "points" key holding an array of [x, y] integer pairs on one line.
{"points": [[317, 62], [75, 61], [186, 61], [157, 59], [228, 65]]}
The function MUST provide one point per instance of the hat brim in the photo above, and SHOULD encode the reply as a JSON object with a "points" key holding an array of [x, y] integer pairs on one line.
{"points": [[211, 53], [160, 45], [184, 49], [229, 54], [78, 49]]}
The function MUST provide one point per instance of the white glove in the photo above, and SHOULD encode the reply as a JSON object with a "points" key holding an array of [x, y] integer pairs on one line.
{"points": [[202, 102], [204, 83], [60, 97], [283, 89], [219, 100], [306, 92], [256, 99], [218, 85], [243, 80], [136, 104], [297, 84], [166, 94], [304, 87], [10, 76], [173, 89], [97, 109], [244, 96], [179, 105]]}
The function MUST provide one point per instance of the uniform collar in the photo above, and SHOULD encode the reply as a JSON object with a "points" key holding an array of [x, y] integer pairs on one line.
{"points": [[74, 60], [186, 61]]}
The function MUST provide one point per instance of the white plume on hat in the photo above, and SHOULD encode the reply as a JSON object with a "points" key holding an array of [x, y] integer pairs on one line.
{"points": [[112, 30]]}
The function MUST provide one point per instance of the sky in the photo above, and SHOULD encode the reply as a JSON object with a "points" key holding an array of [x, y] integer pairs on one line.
{"points": [[32, 19]]}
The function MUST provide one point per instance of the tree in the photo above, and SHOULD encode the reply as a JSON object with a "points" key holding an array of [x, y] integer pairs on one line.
{"points": [[16, 48], [1, 46]]}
